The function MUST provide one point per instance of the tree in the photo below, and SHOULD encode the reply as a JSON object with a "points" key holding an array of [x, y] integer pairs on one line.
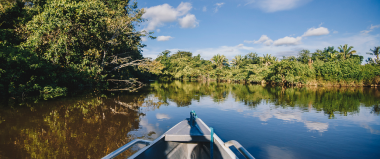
{"points": [[182, 54], [251, 58], [78, 43], [333, 56], [164, 58], [237, 61], [219, 60], [304, 56], [268, 59], [325, 54], [346, 51], [289, 58], [375, 52]]}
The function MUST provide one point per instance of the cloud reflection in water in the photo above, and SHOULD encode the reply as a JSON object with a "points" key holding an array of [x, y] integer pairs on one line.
{"points": [[160, 116], [265, 113]]}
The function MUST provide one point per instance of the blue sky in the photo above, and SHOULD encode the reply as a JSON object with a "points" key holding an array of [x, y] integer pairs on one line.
{"points": [[277, 27]]}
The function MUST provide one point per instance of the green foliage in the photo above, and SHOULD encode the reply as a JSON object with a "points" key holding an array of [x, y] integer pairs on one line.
{"points": [[328, 54], [291, 72], [22, 72], [268, 59], [347, 70], [237, 61], [375, 52], [258, 73], [52, 46], [251, 58], [346, 51], [304, 56], [307, 68], [371, 74], [88, 33], [183, 65], [219, 61]]}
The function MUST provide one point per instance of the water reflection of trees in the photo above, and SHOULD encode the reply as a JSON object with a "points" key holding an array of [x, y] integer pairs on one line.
{"points": [[182, 93], [330, 100], [91, 127], [70, 128]]}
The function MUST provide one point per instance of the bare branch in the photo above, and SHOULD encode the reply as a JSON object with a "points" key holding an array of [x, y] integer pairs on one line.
{"points": [[132, 84]]}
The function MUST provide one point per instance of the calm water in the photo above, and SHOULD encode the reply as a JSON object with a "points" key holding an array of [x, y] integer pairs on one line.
{"points": [[270, 122]]}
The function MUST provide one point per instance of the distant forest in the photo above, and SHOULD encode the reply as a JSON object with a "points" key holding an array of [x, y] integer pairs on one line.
{"points": [[327, 67]]}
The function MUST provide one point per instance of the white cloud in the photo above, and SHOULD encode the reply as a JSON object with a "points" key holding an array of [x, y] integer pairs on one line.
{"points": [[158, 15], [365, 31], [287, 41], [335, 32], [263, 39], [316, 31], [321, 127], [162, 116], [276, 5], [158, 30], [204, 9], [374, 26], [228, 51], [164, 38], [189, 21], [279, 152], [263, 116], [218, 5], [183, 8], [370, 29], [147, 127], [371, 130], [288, 116]]}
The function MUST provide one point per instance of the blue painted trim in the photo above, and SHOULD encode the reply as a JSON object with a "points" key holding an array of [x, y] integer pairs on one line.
{"points": [[212, 143]]}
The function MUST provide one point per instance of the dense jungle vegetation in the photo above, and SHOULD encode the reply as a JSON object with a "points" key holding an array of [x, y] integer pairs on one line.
{"points": [[52, 46], [329, 67]]}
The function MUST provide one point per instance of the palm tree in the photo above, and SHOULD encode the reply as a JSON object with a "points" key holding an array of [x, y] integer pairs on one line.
{"points": [[219, 60], [237, 61], [332, 55], [345, 51], [268, 59], [376, 52], [328, 53]]}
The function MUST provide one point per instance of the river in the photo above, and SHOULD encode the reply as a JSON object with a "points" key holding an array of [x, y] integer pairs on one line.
{"points": [[270, 122]]}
